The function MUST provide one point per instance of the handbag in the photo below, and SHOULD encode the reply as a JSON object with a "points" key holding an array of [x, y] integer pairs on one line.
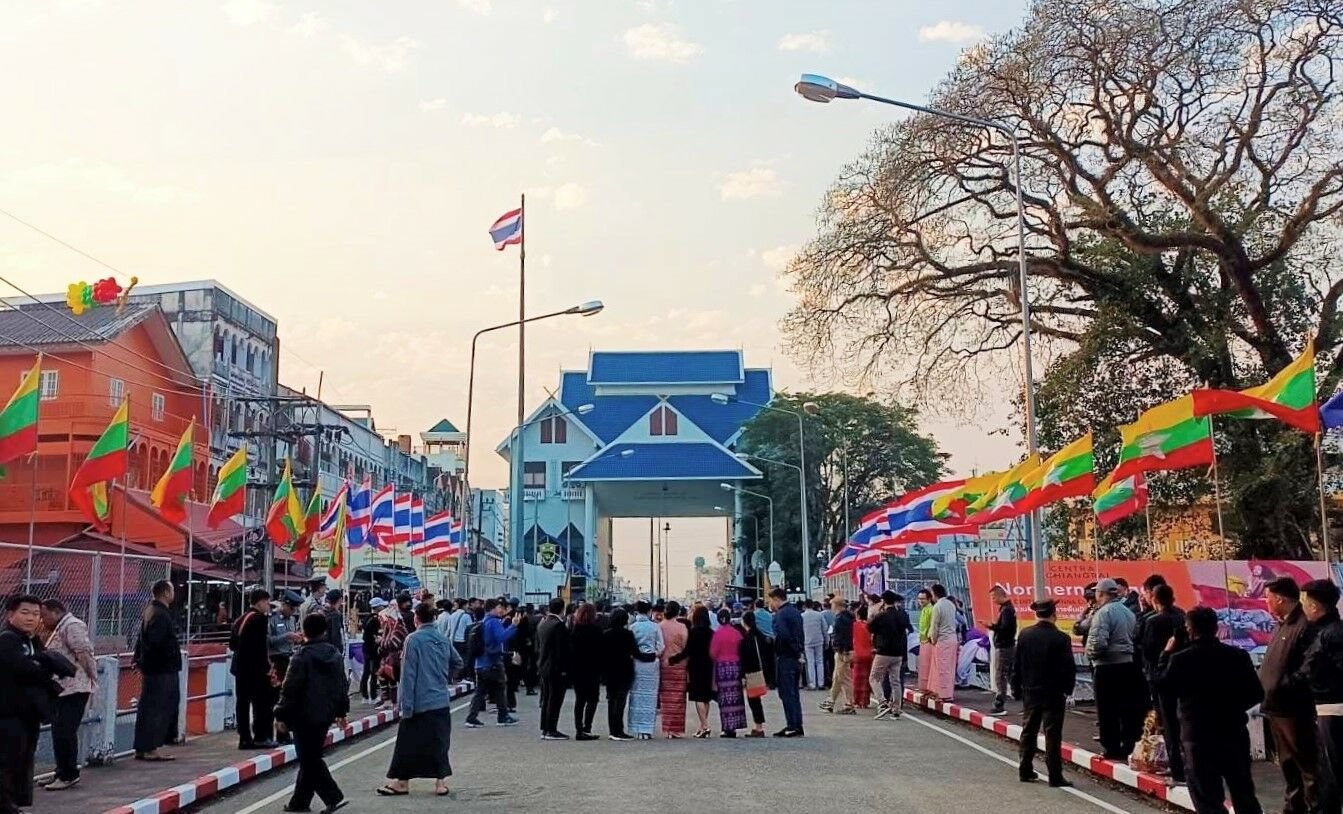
{"points": [[756, 687]]}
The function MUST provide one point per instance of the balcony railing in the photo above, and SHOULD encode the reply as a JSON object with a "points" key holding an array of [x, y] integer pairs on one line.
{"points": [[533, 494], [574, 492]]}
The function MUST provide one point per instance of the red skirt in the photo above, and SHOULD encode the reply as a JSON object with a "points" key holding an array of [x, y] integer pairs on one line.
{"points": [[862, 683], [672, 699]]}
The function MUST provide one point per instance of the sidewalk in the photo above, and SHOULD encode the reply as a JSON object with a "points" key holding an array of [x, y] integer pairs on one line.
{"points": [[1079, 729]]}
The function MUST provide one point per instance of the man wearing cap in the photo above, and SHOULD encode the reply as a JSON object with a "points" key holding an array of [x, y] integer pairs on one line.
{"points": [[1117, 680], [284, 635], [316, 597], [1043, 676]]}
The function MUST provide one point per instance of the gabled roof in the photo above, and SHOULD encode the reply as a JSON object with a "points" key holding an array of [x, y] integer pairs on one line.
{"points": [[551, 406], [664, 461], [665, 367], [48, 324], [444, 426], [613, 414], [724, 421]]}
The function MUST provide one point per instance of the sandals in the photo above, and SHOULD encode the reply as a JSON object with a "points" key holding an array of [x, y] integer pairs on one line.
{"points": [[392, 791], [702, 734]]}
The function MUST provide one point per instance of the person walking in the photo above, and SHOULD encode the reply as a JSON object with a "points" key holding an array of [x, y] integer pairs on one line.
{"points": [[1288, 705], [643, 698], [725, 650], [486, 644], [890, 629], [70, 638], [283, 635], [699, 667], [1215, 685], [1004, 640], [334, 608], [158, 657], [1044, 674], [252, 685], [672, 677], [619, 651], [924, 601], [314, 695], [1163, 623], [946, 645], [553, 654], [391, 640], [789, 643], [519, 653], [757, 668], [424, 736], [1117, 680], [1322, 671], [459, 622], [862, 660], [372, 627], [586, 669], [841, 643], [27, 670], [814, 632]]}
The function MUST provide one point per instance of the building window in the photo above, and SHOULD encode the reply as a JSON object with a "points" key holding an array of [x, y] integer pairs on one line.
{"points": [[554, 430], [157, 406], [534, 475], [116, 391], [50, 384], [662, 421]]}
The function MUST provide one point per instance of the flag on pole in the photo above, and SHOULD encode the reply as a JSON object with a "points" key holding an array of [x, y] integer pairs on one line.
{"points": [[18, 421], [1070, 472], [1288, 396], [440, 542], [106, 460], [507, 230], [335, 530], [401, 518], [171, 491], [382, 518], [1006, 500], [416, 519], [1331, 412], [230, 496], [1114, 499], [1167, 436], [284, 521], [358, 514]]}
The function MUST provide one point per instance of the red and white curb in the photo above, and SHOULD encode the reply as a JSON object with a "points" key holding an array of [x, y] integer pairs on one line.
{"points": [[202, 788], [1144, 782]]}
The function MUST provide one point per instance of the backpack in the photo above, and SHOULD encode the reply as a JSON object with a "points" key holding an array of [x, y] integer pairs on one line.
{"points": [[475, 641]]}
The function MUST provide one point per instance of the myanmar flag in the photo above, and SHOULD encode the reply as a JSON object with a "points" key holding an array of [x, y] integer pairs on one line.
{"points": [[18, 421], [1070, 472], [170, 493], [953, 505], [1115, 499], [230, 495], [284, 521], [1168, 436], [106, 460], [336, 565], [1004, 501], [312, 521], [1288, 396]]}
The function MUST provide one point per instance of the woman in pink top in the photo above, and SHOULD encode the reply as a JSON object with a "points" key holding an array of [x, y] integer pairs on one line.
{"points": [[672, 682], [725, 650]]}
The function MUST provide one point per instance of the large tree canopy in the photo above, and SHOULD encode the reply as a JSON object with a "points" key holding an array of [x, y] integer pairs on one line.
{"points": [[1183, 178]]}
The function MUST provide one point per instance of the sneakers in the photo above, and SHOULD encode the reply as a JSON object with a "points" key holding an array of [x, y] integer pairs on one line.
{"points": [[826, 706], [473, 724], [554, 736], [586, 736], [60, 785], [884, 711], [509, 721], [847, 711], [998, 709], [620, 736]]}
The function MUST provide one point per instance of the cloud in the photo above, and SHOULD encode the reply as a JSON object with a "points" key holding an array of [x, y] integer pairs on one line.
{"points": [[310, 24], [478, 6], [502, 121], [860, 84], [556, 134], [817, 42], [555, 160], [549, 15], [249, 12], [95, 176], [392, 57], [950, 31], [570, 196], [757, 182], [778, 258], [661, 42], [430, 105]]}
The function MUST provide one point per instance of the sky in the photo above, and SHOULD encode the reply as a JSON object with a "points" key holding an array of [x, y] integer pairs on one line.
{"points": [[339, 163]]}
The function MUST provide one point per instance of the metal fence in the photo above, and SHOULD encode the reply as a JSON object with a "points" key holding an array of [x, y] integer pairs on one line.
{"points": [[107, 590]]}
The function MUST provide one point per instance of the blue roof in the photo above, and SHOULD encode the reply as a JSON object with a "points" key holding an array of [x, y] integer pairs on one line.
{"points": [[664, 461], [612, 415], [665, 367], [721, 421]]}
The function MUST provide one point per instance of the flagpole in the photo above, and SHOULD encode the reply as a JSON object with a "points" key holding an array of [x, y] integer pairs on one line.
{"points": [[32, 524], [1324, 508], [1217, 497]]}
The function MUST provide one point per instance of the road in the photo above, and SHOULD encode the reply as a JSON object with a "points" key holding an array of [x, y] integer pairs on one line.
{"points": [[917, 764]]}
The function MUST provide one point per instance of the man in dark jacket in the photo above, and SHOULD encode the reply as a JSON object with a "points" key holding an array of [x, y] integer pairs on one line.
{"points": [[158, 657], [316, 693], [27, 691], [890, 629], [1004, 630], [841, 643], [334, 609], [252, 688], [1159, 626], [1043, 676], [552, 638], [1322, 671], [1215, 684], [1288, 705], [789, 644]]}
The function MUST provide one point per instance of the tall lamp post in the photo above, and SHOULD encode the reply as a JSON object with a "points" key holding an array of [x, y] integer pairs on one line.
{"points": [[587, 309], [816, 88], [810, 408], [727, 487]]}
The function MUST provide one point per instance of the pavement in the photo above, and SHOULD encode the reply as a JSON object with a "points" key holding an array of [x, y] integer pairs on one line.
{"points": [[918, 764]]}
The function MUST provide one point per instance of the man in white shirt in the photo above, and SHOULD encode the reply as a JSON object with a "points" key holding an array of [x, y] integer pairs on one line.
{"points": [[814, 631]]}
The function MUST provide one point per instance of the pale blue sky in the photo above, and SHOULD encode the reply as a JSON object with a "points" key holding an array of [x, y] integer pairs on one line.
{"points": [[338, 163]]}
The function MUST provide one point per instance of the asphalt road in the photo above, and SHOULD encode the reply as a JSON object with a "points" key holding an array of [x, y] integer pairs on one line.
{"points": [[917, 764]]}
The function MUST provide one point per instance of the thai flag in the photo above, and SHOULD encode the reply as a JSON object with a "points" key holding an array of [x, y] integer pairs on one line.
{"points": [[909, 518], [402, 518], [358, 515], [439, 540], [507, 230], [416, 519], [382, 518], [332, 515]]}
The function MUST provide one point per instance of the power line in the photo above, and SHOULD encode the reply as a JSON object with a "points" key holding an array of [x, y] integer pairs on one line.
{"points": [[55, 239]]}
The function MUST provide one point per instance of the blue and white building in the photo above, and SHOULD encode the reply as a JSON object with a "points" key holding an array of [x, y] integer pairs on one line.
{"points": [[636, 434]]}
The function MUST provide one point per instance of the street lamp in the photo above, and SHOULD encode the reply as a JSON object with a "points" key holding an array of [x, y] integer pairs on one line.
{"points": [[586, 309], [817, 88], [810, 408], [565, 483], [727, 487], [754, 519]]}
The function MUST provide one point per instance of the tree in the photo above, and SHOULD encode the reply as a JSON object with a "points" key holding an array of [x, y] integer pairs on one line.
{"points": [[878, 446]]}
